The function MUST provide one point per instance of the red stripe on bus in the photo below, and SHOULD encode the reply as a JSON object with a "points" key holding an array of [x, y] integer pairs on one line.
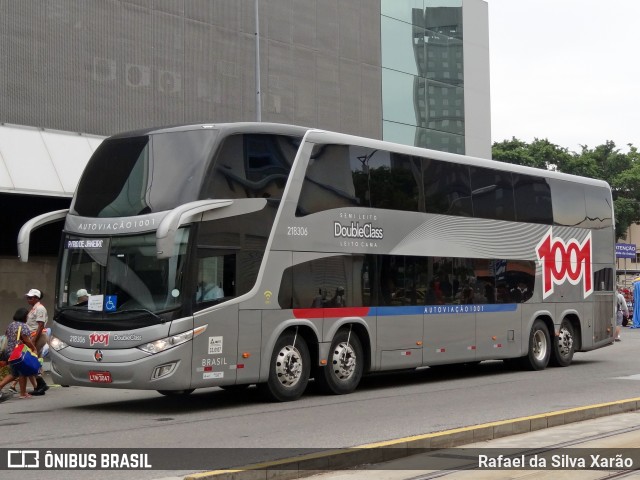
{"points": [[330, 312]]}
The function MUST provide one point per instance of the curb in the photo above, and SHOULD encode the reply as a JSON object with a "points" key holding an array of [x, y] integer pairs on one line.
{"points": [[342, 459]]}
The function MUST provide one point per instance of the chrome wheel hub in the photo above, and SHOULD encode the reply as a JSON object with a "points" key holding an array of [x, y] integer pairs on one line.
{"points": [[343, 361], [565, 342], [289, 366], [539, 346]]}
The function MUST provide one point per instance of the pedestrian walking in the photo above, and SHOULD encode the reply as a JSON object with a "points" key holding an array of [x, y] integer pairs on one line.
{"points": [[17, 332], [622, 312], [36, 321], [636, 303]]}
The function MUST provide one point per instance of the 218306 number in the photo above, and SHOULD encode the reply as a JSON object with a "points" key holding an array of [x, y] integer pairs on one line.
{"points": [[297, 231]]}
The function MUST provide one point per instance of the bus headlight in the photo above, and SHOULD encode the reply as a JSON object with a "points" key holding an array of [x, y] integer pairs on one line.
{"points": [[56, 343], [172, 341]]}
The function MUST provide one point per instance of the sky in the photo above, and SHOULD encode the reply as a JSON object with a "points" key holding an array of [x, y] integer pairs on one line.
{"points": [[565, 70]]}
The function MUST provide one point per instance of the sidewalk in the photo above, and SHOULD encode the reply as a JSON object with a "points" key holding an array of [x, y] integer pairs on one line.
{"points": [[612, 435], [600, 429]]}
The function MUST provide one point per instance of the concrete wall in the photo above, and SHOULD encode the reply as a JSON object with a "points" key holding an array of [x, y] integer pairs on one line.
{"points": [[16, 278], [110, 66]]}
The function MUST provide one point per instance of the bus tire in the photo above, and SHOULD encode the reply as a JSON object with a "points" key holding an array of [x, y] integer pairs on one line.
{"points": [[289, 369], [175, 393], [539, 347], [345, 365], [563, 345]]}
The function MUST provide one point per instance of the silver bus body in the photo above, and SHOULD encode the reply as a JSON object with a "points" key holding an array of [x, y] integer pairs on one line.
{"points": [[314, 275]]}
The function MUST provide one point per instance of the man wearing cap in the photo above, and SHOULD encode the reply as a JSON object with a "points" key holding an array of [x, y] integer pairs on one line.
{"points": [[36, 321], [82, 297]]}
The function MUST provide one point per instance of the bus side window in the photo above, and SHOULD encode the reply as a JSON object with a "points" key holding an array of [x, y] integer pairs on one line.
{"points": [[533, 199], [492, 194], [447, 188], [210, 279], [323, 283]]}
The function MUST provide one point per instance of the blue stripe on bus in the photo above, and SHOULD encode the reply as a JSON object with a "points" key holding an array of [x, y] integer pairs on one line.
{"points": [[444, 309], [405, 310]]}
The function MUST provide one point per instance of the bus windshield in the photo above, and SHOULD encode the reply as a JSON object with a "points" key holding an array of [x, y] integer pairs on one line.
{"points": [[136, 175], [121, 274]]}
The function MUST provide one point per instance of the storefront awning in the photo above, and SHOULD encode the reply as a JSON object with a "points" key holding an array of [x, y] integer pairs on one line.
{"points": [[37, 161]]}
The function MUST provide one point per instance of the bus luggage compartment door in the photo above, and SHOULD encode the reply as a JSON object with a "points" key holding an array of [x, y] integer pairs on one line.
{"points": [[450, 334], [400, 336]]}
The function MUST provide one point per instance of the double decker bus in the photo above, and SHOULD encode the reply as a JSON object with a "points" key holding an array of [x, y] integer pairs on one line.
{"points": [[226, 255]]}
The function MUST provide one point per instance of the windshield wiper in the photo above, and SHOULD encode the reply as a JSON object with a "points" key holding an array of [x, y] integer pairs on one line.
{"points": [[73, 308], [143, 310]]}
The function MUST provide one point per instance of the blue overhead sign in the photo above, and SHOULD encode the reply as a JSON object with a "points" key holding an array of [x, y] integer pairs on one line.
{"points": [[625, 250]]}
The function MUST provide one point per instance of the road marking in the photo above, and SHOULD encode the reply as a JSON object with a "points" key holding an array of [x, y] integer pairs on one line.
{"points": [[629, 377]]}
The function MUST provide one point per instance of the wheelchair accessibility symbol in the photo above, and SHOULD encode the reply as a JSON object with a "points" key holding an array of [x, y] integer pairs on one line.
{"points": [[111, 303]]}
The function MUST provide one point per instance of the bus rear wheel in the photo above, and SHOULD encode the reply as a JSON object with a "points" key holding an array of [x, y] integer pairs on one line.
{"points": [[288, 370], [563, 346], [539, 347], [345, 365]]}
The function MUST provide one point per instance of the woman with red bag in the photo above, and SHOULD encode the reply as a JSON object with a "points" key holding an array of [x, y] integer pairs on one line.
{"points": [[17, 332]]}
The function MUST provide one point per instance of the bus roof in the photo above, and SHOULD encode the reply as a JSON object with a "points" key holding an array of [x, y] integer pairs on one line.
{"points": [[226, 128]]}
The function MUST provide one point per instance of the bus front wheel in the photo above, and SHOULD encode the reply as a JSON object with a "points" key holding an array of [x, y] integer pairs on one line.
{"points": [[563, 347], [289, 369], [539, 347], [345, 364]]}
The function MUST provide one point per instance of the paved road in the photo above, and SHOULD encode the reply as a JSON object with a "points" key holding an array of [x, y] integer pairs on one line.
{"points": [[383, 408]]}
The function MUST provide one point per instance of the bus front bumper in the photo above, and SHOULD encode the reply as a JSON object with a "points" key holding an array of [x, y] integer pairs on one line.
{"points": [[163, 371]]}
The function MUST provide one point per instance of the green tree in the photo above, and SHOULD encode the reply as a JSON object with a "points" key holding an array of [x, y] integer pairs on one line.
{"points": [[539, 154], [513, 151], [625, 185]]}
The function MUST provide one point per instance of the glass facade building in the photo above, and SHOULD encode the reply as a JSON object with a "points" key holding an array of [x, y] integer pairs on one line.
{"points": [[423, 73]]}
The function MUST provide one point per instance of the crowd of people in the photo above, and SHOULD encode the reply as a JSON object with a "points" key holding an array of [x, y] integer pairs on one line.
{"points": [[628, 307], [27, 328]]}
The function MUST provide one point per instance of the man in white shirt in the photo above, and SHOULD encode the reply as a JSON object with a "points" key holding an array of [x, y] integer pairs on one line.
{"points": [[208, 292], [36, 321]]}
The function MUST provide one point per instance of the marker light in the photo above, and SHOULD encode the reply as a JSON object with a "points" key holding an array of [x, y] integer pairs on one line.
{"points": [[172, 341], [56, 343]]}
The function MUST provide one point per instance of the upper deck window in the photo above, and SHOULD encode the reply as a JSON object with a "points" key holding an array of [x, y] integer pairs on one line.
{"points": [[569, 205], [341, 176], [251, 166], [533, 199], [492, 194]]}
